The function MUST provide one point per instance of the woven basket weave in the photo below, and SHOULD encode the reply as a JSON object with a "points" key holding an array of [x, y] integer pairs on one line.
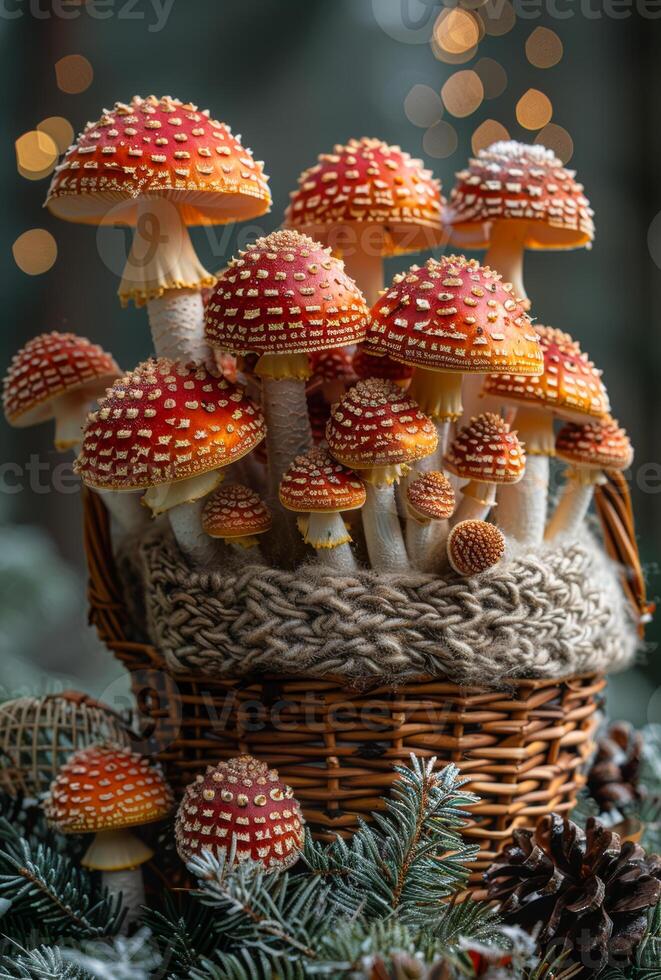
{"points": [[524, 747]]}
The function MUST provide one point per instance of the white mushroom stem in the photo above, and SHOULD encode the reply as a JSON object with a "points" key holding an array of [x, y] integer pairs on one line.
{"points": [[477, 500], [383, 533], [522, 506], [183, 502], [425, 542], [163, 270], [438, 394], [328, 535], [118, 854], [506, 251], [70, 412], [364, 263], [126, 511], [574, 502]]}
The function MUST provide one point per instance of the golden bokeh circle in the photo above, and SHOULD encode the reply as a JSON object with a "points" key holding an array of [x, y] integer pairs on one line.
{"points": [[36, 154], [35, 251], [544, 48], [440, 140], [60, 131], [534, 109], [457, 31], [74, 74], [556, 138], [463, 93], [488, 132]]}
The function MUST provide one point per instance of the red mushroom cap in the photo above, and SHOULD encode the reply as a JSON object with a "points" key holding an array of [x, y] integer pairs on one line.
{"points": [[454, 315], [570, 384], [368, 365], [598, 445], [474, 546], [376, 425], [431, 496], [107, 787], [333, 364], [369, 182], [51, 365], [244, 800], [316, 483], [510, 180], [163, 147], [165, 422], [235, 511], [487, 451]]}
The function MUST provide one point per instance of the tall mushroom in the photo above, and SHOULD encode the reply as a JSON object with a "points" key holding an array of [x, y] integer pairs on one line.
{"points": [[447, 319], [513, 197], [170, 429], [236, 515], [284, 298], [368, 200], [431, 500], [160, 165], [379, 431], [107, 790], [589, 449], [571, 388], [319, 488], [487, 454]]}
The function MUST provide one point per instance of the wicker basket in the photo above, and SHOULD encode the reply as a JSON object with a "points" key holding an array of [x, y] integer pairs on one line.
{"points": [[525, 750]]}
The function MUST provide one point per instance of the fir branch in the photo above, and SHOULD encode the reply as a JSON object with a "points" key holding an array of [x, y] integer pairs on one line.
{"points": [[184, 932], [40, 963], [125, 958]]}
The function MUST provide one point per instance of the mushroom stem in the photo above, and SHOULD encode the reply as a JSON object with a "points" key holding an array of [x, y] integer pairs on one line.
{"points": [[176, 320], [118, 854], [365, 266], [328, 535], [506, 251], [126, 510], [70, 411], [425, 543], [522, 505], [383, 533], [186, 524], [476, 502], [573, 505]]}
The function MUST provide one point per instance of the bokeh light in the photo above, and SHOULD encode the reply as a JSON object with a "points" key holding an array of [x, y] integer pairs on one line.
{"points": [[457, 31], [60, 131], [36, 154], [440, 140], [493, 77], [423, 106], [74, 74], [534, 109], [452, 59], [557, 138], [462, 93], [498, 17], [35, 251], [544, 48], [488, 132]]}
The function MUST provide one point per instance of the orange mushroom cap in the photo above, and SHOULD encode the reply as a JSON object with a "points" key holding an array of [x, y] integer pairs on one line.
{"points": [[106, 787], [368, 182], [369, 365], [486, 450], [570, 384], [474, 546], [598, 445], [165, 422], [285, 295], [454, 315], [510, 180], [245, 801], [317, 483], [164, 147], [431, 496], [51, 365], [376, 425], [235, 511]]}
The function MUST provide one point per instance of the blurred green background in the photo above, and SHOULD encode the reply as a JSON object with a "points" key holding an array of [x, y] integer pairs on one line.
{"points": [[294, 78]]}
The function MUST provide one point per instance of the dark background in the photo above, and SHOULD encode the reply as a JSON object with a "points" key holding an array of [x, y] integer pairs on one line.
{"points": [[293, 78]]}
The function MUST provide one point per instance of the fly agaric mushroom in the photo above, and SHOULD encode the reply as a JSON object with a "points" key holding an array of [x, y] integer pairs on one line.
{"points": [[368, 365], [320, 488], [449, 318], [368, 200], [514, 196], [57, 376], [160, 165], [243, 810], [284, 298], [570, 388], [487, 454], [431, 500], [107, 790], [474, 546], [589, 449], [169, 429], [379, 431], [237, 515], [334, 369]]}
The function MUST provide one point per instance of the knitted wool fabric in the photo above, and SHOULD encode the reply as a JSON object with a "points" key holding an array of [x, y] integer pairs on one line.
{"points": [[549, 614]]}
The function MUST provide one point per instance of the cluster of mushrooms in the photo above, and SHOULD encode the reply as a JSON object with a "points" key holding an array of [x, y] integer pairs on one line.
{"points": [[292, 390]]}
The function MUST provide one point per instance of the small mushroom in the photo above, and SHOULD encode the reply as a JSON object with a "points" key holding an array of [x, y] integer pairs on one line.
{"points": [[431, 501], [474, 546], [379, 431], [319, 488], [107, 790], [334, 369], [368, 200], [589, 449], [237, 515], [487, 454]]}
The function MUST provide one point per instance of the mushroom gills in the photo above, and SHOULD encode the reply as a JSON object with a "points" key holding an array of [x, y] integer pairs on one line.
{"points": [[165, 496]]}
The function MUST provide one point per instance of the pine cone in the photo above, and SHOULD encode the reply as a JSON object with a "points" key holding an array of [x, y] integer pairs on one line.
{"points": [[589, 893], [614, 779]]}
